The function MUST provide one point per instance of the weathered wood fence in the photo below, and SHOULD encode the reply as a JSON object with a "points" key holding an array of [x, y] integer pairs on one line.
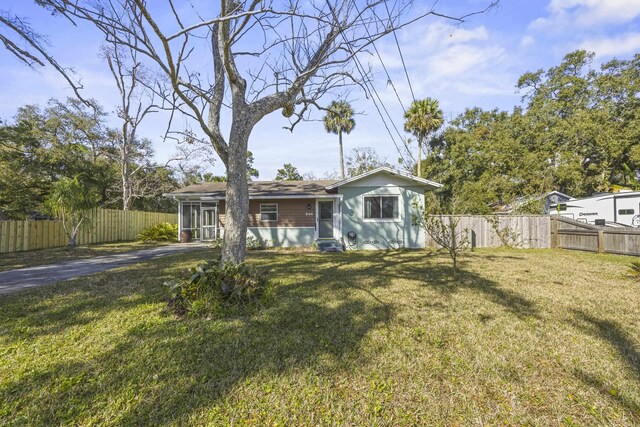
{"points": [[569, 234], [491, 231], [106, 225]]}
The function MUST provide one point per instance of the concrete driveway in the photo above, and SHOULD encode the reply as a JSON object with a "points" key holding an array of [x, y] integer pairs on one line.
{"points": [[31, 277]]}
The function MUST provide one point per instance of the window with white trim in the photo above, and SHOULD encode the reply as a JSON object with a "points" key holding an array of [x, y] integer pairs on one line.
{"points": [[381, 207], [268, 211]]}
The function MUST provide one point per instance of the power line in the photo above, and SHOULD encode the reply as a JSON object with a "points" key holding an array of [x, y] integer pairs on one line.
{"points": [[370, 89], [404, 65], [389, 80]]}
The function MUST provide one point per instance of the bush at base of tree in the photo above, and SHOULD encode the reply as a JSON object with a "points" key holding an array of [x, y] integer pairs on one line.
{"points": [[214, 290], [163, 232]]}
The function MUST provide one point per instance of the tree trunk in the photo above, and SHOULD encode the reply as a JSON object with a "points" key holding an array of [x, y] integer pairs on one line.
{"points": [[126, 179], [341, 155], [419, 157], [237, 196]]}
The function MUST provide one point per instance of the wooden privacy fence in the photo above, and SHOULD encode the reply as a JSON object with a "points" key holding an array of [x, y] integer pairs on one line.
{"points": [[106, 225], [492, 231], [569, 234]]}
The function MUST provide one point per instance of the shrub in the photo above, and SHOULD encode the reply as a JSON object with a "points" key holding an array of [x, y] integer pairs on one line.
{"points": [[254, 244], [216, 243], [163, 232], [210, 289], [634, 270]]}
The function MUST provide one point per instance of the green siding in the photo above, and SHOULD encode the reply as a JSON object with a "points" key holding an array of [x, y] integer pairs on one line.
{"points": [[284, 236], [385, 234]]}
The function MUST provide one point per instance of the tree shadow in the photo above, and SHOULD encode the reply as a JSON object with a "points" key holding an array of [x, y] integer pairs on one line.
{"points": [[448, 281], [615, 336], [380, 268], [180, 366], [52, 309], [166, 371]]}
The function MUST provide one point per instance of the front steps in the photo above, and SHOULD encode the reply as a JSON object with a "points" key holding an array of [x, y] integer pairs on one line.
{"points": [[329, 246]]}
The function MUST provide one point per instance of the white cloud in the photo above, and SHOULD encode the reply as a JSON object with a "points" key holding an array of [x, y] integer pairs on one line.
{"points": [[527, 41], [587, 13], [449, 63], [461, 59], [614, 46]]}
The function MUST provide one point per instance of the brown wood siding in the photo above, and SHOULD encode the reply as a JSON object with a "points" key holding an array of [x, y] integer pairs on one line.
{"points": [[291, 213]]}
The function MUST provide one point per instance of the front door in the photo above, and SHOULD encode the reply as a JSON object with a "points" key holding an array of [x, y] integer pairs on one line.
{"points": [[325, 220], [209, 219]]}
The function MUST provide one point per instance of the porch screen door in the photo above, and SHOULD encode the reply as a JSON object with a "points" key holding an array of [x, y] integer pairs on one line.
{"points": [[325, 220], [209, 217]]}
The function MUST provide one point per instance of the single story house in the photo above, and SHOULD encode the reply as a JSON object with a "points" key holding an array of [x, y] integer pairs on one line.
{"points": [[369, 211]]}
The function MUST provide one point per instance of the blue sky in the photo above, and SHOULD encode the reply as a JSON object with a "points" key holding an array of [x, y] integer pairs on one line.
{"points": [[473, 64]]}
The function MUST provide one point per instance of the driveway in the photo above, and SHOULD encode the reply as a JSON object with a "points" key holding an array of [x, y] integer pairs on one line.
{"points": [[31, 277]]}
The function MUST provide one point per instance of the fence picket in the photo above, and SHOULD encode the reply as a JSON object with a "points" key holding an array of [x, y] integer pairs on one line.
{"points": [[106, 225]]}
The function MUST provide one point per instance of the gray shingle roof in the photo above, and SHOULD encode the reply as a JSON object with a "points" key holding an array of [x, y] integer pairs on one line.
{"points": [[260, 188]]}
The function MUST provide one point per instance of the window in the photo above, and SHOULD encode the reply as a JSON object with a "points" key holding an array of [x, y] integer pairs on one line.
{"points": [[379, 207], [626, 211], [268, 211], [562, 207]]}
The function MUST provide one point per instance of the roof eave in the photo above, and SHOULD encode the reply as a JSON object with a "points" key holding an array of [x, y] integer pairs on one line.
{"points": [[390, 171]]}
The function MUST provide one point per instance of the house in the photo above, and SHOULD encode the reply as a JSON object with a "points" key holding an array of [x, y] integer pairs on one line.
{"points": [[369, 211]]}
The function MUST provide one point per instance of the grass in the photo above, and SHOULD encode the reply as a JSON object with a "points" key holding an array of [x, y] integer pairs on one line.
{"points": [[519, 337], [55, 255]]}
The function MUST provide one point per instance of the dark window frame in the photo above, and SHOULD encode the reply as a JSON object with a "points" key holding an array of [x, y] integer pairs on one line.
{"points": [[395, 207], [269, 212], [626, 211]]}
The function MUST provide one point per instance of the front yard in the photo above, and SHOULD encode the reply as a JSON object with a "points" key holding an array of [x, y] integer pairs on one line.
{"points": [[369, 338]]}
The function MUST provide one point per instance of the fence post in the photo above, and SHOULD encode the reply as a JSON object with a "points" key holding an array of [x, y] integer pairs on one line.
{"points": [[554, 233], [601, 248]]}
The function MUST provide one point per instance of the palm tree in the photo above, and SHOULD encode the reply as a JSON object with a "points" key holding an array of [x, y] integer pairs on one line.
{"points": [[424, 117], [71, 202], [339, 119]]}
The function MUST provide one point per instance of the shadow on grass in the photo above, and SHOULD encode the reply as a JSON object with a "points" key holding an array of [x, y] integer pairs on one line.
{"points": [[379, 268], [615, 336], [164, 371], [52, 309]]}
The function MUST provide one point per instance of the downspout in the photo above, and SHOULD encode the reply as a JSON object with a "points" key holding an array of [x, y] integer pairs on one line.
{"points": [[615, 208]]}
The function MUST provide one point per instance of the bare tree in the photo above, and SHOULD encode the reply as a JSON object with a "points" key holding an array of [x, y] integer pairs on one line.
{"points": [[249, 58], [30, 47], [135, 103]]}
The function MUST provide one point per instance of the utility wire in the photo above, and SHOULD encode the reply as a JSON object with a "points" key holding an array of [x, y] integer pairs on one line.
{"points": [[404, 65], [369, 87], [371, 90], [389, 80]]}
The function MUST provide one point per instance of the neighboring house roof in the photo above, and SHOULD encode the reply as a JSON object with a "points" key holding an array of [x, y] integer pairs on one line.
{"points": [[292, 189], [560, 194], [523, 200], [259, 189]]}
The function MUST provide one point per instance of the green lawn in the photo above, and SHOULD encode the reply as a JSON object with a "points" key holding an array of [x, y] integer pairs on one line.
{"points": [[54, 255], [370, 338]]}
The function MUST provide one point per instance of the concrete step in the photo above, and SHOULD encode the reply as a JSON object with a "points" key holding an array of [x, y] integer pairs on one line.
{"points": [[329, 246]]}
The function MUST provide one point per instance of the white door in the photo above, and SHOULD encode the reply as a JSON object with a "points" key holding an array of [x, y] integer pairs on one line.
{"points": [[325, 219], [209, 223]]}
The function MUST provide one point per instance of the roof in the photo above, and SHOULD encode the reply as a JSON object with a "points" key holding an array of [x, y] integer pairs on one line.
{"points": [[559, 194], [389, 171], [292, 189], [259, 189]]}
